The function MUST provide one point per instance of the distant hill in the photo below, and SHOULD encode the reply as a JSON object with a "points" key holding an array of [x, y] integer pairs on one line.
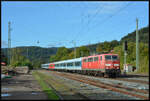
{"points": [[131, 37], [34, 53], [143, 36]]}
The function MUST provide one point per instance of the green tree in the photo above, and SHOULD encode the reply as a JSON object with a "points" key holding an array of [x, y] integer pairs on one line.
{"points": [[3, 58], [131, 56], [62, 54], [99, 48], [107, 46], [17, 59], [52, 58], [82, 51]]}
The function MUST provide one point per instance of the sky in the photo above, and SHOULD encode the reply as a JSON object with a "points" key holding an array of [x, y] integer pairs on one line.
{"points": [[70, 23]]}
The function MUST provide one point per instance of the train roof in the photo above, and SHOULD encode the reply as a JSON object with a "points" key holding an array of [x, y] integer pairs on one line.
{"points": [[100, 55], [45, 64], [78, 59], [70, 60]]}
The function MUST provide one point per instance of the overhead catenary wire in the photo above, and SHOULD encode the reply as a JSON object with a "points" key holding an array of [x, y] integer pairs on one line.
{"points": [[84, 23], [109, 17], [131, 23], [106, 19], [97, 11]]}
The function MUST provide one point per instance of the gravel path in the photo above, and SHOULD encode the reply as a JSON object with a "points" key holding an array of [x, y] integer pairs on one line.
{"points": [[21, 87]]}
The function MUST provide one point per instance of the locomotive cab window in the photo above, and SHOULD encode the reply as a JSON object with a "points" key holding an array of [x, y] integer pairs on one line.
{"points": [[107, 57], [114, 57], [111, 57]]}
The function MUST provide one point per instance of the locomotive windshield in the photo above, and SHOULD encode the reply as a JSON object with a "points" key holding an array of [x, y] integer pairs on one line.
{"points": [[114, 57], [111, 57]]}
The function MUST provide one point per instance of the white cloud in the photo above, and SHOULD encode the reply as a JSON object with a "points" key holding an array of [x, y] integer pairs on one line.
{"points": [[107, 7]]}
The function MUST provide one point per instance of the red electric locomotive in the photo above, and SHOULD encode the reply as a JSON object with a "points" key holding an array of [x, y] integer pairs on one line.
{"points": [[108, 64]]}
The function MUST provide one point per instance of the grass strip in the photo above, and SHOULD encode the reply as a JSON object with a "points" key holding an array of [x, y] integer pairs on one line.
{"points": [[49, 91]]}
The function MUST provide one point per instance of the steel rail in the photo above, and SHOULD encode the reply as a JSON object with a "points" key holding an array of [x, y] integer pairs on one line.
{"points": [[102, 85]]}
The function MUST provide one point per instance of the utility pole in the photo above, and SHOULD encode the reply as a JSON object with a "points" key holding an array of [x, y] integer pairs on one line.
{"points": [[9, 43], [89, 47], [125, 54], [137, 46], [74, 50], [81, 53], [27, 53], [40, 51]]}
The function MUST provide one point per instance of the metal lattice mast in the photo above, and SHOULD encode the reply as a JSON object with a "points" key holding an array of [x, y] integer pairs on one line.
{"points": [[9, 43], [137, 46]]}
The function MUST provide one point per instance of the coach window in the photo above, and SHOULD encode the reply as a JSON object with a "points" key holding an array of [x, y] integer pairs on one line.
{"points": [[68, 64], [77, 63], [71, 64]]}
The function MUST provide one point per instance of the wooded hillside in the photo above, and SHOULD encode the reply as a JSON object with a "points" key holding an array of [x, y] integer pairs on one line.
{"points": [[38, 55]]}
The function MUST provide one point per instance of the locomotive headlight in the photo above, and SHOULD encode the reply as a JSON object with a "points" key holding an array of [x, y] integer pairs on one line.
{"points": [[107, 64], [116, 64], [107, 67], [117, 67]]}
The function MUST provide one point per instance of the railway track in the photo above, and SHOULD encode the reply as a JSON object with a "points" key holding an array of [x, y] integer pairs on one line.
{"points": [[116, 88], [80, 96], [122, 78], [136, 81]]}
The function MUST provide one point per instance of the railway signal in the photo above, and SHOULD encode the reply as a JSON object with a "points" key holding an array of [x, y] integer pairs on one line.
{"points": [[125, 46]]}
